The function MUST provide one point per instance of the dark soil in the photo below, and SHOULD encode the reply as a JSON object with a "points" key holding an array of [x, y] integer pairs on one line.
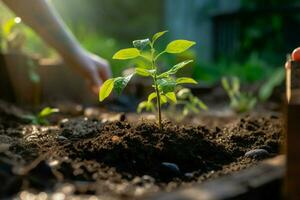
{"points": [[125, 160]]}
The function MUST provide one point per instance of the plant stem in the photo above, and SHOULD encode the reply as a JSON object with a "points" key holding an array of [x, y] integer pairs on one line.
{"points": [[156, 86], [158, 102]]}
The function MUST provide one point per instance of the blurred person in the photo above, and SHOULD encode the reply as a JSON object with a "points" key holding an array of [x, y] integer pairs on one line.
{"points": [[45, 21]]}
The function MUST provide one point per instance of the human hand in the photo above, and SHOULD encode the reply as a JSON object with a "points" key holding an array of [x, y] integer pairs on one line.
{"points": [[102, 73], [93, 68]]}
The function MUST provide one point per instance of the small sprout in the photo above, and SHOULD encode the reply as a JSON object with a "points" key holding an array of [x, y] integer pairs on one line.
{"points": [[239, 102], [191, 104], [40, 118], [164, 83]]}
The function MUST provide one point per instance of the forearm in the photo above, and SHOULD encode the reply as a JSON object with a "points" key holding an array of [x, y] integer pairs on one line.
{"points": [[40, 16]]}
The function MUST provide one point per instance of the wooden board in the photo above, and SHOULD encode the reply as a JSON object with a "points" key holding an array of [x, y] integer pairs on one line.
{"points": [[263, 181]]}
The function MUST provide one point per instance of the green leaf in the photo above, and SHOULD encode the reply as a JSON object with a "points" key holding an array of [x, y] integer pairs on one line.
{"points": [[152, 96], [235, 85], [225, 84], [179, 46], [172, 96], [157, 36], [106, 89], [192, 108], [144, 72], [184, 93], [275, 80], [141, 44], [166, 85], [185, 111], [125, 54], [8, 26], [121, 83], [48, 111], [175, 69], [163, 99], [186, 80], [141, 106], [202, 105], [145, 105]]}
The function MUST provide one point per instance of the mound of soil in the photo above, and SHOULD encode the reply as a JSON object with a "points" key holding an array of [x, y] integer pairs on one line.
{"points": [[124, 160], [141, 149]]}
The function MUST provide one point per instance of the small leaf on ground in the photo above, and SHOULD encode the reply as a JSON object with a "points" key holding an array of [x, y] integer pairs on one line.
{"points": [[48, 111]]}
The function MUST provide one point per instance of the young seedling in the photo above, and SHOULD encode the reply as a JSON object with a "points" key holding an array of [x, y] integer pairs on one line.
{"points": [[163, 83], [190, 103], [186, 104], [240, 102], [41, 117]]}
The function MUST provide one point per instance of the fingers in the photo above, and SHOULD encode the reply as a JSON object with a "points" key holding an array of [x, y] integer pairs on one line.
{"points": [[105, 71], [103, 67], [96, 83], [101, 72]]}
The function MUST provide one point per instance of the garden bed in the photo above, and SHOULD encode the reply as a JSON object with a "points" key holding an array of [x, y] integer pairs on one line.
{"points": [[121, 157]]}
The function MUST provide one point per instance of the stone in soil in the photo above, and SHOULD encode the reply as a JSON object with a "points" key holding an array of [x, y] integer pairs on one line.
{"points": [[257, 154]]}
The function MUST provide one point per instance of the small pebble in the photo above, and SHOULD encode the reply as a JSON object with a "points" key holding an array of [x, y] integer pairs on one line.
{"points": [[257, 153], [170, 170], [148, 179], [62, 138], [189, 175]]}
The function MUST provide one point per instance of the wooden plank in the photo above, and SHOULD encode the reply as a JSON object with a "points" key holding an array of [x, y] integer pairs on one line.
{"points": [[292, 116], [259, 182]]}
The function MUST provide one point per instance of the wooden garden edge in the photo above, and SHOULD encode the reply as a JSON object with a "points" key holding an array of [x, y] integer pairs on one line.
{"points": [[234, 185]]}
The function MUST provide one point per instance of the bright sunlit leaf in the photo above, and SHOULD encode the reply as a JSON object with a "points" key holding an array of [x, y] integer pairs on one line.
{"points": [[152, 96], [106, 89], [144, 72], [175, 69], [48, 111], [172, 96], [179, 46], [125, 54], [185, 80], [158, 35]]}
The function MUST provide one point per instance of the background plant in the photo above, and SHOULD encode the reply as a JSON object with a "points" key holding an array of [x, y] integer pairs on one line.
{"points": [[164, 83], [191, 103], [41, 117], [187, 103], [239, 101]]}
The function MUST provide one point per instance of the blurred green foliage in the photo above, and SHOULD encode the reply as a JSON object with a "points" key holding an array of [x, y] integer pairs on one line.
{"points": [[269, 31], [252, 70], [265, 3], [240, 101], [11, 34], [104, 26], [124, 20]]}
